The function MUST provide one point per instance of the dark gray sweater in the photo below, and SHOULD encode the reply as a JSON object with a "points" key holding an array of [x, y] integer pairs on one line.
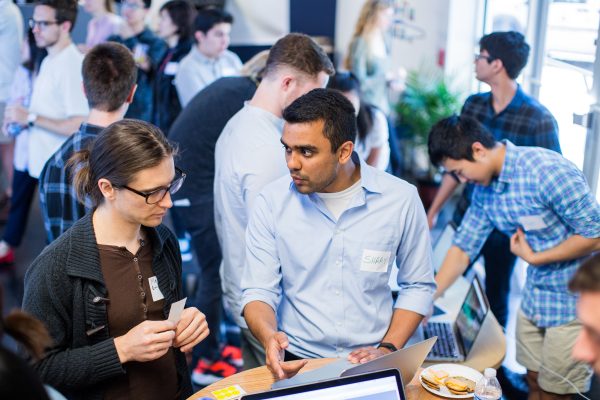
{"points": [[64, 288]]}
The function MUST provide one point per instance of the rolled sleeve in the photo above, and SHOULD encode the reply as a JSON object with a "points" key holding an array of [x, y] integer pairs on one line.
{"points": [[261, 279], [415, 274]]}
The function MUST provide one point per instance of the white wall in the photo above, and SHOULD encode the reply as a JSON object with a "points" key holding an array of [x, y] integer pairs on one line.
{"points": [[258, 22]]}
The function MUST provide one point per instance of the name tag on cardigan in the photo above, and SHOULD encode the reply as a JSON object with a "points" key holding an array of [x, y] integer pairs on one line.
{"points": [[154, 289]]}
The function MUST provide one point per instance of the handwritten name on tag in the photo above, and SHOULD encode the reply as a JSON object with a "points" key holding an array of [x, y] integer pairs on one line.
{"points": [[154, 289], [532, 222], [375, 261]]}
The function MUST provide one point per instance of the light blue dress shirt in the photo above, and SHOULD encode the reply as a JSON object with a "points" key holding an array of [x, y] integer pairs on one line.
{"points": [[327, 279], [248, 155], [540, 185]]}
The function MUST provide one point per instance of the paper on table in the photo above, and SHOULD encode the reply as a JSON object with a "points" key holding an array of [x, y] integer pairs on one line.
{"points": [[176, 310]]}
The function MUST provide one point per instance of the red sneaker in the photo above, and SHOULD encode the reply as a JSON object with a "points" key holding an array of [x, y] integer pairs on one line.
{"points": [[233, 355], [206, 374], [8, 259]]}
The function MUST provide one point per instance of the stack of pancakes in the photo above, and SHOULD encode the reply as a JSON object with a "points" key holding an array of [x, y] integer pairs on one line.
{"points": [[458, 385]]}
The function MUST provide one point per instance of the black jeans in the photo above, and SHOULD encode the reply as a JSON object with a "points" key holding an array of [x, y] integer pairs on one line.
{"points": [[23, 190], [198, 221]]}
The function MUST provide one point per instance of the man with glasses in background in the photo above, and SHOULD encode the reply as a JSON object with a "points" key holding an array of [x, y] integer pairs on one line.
{"points": [[508, 113], [57, 106], [109, 76]]}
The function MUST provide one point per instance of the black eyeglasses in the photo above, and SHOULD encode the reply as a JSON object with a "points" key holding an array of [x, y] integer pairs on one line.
{"points": [[42, 24], [157, 195], [481, 56]]}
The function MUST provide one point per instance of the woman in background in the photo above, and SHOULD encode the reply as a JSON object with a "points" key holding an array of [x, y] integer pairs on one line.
{"points": [[176, 28], [372, 139], [104, 22], [105, 287], [368, 53]]}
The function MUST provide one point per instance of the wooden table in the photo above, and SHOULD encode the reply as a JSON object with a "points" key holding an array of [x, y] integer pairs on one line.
{"points": [[488, 351], [260, 379]]}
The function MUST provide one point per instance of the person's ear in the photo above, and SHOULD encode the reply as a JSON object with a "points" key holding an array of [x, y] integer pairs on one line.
{"points": [[479, 151], [286, 82], [199, 35], [129, 99], [107, 189], [345, 152], [497, 65]]}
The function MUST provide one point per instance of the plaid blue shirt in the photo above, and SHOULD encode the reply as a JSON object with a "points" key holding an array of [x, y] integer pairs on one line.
{"points": [[541, 183], [525, 122], [58, 200]]}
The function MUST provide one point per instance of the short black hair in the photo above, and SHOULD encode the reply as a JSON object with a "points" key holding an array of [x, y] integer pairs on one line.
{"points": [[65, 10], [329, 106], [509, 47], [208, 17], [109, 73], [182, 13], [453, 137]]}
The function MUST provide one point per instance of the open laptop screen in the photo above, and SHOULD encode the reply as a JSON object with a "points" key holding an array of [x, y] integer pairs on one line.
{"points": [[472, 314], [380, 385]]}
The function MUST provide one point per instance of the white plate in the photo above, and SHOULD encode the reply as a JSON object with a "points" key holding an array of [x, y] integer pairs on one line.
{"points": [[452, 370]]}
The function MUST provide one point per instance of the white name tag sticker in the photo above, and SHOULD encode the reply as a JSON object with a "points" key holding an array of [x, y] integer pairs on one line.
{"points": [[154, 289], [375, 261], [532, 222], [176, 310], [171, 68]]}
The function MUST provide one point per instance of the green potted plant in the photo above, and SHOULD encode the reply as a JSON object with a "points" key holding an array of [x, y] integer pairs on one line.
{"points": [[427, 98]]}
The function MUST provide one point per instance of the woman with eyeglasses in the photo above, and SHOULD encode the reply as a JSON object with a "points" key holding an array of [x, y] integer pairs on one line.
{"points": [[105, 287]]}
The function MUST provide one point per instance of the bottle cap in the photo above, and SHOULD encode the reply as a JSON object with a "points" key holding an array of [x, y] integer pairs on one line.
{"points": [[489, 373]]}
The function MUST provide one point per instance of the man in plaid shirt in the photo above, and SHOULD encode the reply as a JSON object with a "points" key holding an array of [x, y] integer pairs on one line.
{"points": [[510, 114], [109, 76], [543, 203]]}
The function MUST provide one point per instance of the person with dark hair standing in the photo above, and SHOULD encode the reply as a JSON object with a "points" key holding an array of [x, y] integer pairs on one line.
{"points": [[586, 282], [175, 27], [105, 287], [148, 51], [109, 75], [508, 113], [209, 59], [197, 133], [333, 229], [373, 131], [57, 107], [247, 157], [543, 203]]}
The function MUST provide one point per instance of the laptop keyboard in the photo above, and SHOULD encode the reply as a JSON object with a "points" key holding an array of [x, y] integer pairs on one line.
{"points": [[445, 347]]}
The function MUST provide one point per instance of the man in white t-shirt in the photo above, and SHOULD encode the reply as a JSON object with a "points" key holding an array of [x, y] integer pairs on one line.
{"points": [[58, 104]]}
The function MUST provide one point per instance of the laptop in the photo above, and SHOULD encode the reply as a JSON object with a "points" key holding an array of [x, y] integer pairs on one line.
{"points": [[380, 385], [406, 360], [456, 339]]}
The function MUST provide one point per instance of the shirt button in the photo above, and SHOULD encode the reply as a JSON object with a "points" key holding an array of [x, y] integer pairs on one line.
{"points": [[145, 308], [142, 294], [338, 262], [135, 259], [339, 324], [139, 277], [337, 292]]}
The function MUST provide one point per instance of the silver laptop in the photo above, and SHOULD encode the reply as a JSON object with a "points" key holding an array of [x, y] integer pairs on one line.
{"points": [[456, 339], [380, 385], [406, 360]]}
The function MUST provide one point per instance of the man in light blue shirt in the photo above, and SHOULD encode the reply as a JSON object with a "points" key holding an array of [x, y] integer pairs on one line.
{"points": [[320, 246], [542, 201], [248, 156]]}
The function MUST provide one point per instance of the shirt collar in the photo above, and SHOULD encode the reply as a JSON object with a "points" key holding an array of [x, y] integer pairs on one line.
{"points": [[517, 100], [90, 129], [202, 58], [510, 161]]}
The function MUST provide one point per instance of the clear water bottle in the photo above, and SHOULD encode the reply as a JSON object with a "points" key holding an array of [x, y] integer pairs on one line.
{"points": [[488, 387], [14, 128]]}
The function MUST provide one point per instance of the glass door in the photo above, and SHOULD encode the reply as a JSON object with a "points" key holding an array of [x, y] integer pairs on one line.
{"points": [[568, 87]]}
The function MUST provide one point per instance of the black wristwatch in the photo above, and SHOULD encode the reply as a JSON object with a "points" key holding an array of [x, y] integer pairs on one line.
{"points": [[388, 346]]}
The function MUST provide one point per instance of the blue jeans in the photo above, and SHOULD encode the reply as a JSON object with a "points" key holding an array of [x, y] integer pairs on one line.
{"points": [[23, 189], [198, 221]]}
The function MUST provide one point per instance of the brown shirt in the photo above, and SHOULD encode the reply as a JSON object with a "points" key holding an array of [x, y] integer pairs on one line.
{"points": [[131, 302]]}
